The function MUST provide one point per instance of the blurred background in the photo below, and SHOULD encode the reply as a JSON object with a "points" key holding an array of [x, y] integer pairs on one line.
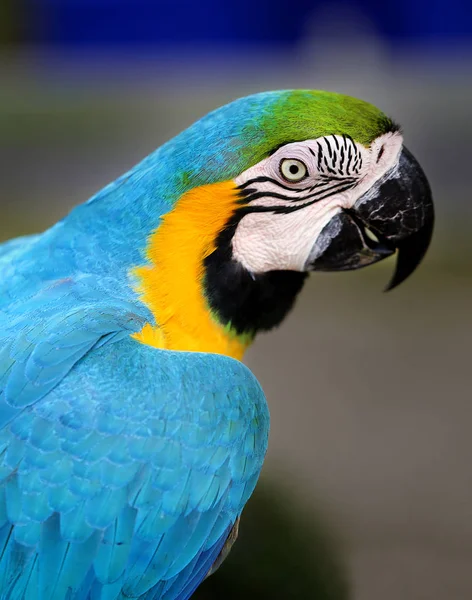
{"points": [[367, 490]]}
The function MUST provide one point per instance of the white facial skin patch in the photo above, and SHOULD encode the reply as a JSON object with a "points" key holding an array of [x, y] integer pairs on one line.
{"points": [[306, 184]]}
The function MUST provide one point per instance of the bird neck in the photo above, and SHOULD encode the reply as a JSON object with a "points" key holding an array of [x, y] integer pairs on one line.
{"points": [[202, 299], [172, 284]]}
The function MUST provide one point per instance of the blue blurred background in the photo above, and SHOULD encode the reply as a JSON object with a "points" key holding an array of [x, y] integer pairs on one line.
{"points": [[136, 23], [368, 485]]}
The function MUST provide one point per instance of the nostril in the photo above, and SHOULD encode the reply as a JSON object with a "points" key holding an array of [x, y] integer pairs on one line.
{"points": [[381, 151]]}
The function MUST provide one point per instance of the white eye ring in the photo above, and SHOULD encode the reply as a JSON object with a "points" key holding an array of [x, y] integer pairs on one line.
{"points": [[292, 169]]}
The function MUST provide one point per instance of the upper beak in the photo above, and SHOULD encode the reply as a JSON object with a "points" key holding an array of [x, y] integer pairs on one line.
{"points": [[395, 214]]}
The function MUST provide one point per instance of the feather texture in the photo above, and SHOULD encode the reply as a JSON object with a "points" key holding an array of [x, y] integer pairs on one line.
{"points": [[118, 460]]}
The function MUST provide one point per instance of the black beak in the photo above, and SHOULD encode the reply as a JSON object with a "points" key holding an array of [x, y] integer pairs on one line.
{"points": [[396, 214]]}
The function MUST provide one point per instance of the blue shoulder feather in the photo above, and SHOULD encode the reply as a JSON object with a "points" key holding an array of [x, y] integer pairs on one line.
{"points": [[122, 467]]}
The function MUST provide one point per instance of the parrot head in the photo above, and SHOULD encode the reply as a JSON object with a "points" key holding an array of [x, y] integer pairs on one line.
{"points": [[258, 194]]}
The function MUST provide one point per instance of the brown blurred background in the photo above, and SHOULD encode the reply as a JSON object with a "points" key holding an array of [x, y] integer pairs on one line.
{"points": [[368, 478]]}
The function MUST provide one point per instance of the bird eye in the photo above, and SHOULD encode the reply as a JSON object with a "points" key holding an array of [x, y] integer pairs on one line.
{"points": [[293, 170]]}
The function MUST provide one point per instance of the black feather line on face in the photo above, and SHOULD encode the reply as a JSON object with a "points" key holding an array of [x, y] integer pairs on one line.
{"points": [[343, 187], [274, 150], [330, 151], [341, 161], [326, 180], [349, 179], [349, 159], [247, 302], [320, 155], [263, 179], [343, 157], [328, 168]]}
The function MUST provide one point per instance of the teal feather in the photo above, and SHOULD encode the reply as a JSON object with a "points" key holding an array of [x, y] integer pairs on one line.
{"points": [[194, 544], [144, 574], [14, 454], [63, 565], [35, 506], [85, 588], [105, 507], [3, 507], [154, 522], [108, 591], [182, 587], [118, 475], [14, 557], [13, 497], [28, 534], [26, 585], [61, 499], [112, 555], [43, 436], [82, 487], [104, 501], [58, 471], [73, 525]]}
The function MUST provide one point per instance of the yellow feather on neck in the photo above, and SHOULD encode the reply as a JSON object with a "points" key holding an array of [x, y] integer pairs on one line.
{"points": [[171, 285]]}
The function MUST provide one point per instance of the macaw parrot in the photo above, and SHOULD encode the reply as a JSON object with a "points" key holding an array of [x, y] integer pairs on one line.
{"points": [[131, 434]]}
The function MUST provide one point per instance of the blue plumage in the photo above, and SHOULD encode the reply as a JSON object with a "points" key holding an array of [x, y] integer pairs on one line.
{"points": [[122, 467], [119, 462], [106, 481]]}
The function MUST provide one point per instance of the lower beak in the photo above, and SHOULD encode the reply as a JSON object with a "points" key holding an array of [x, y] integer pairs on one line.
{"points": [[395, 215]]}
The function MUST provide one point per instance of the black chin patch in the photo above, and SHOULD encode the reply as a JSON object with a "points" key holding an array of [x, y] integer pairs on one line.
{"points": [[249, 303]]}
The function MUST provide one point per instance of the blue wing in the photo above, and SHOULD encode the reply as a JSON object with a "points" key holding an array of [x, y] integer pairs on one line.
{"points": [[123, 468]]}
